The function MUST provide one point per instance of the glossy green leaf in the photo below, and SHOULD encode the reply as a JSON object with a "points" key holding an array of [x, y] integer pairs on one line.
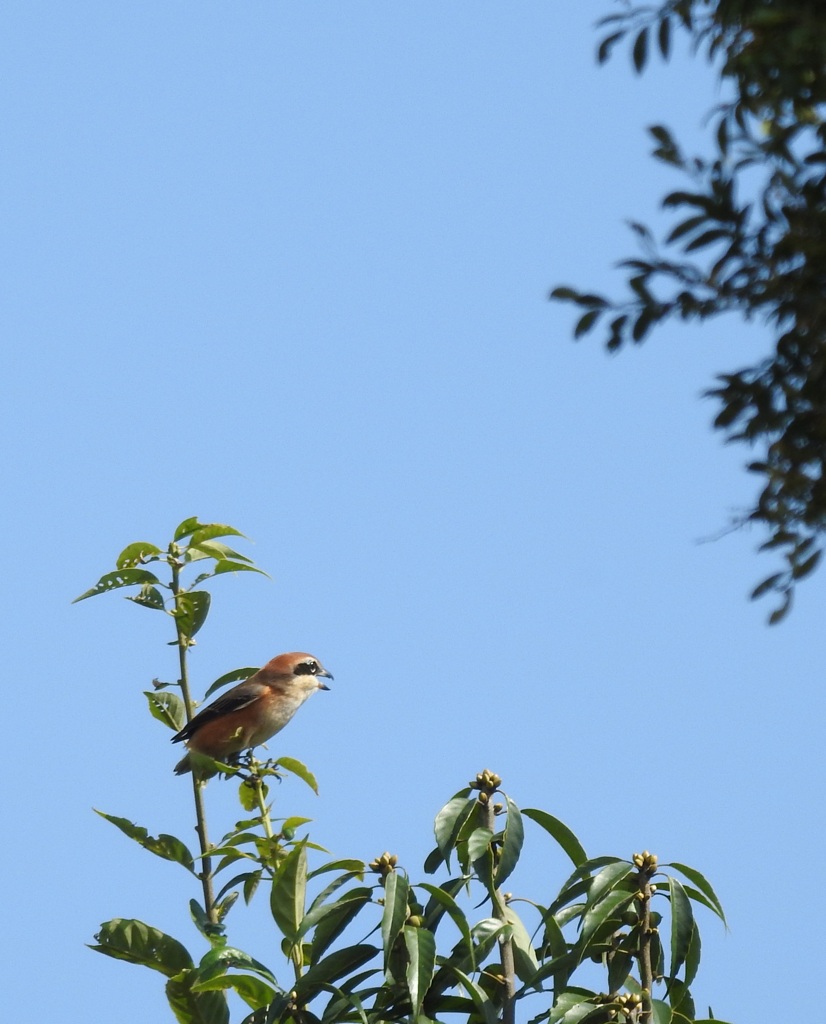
{"points": [[236, 676], [439, 895], [703, 885], [288, 893], [567, 1001], [114, 580], [344, 999], [334, 920], [560, 833], [396, 910], [165, 846], [191, 610], [191, 1007], [133, 554], [511, 844], [606, 909], [299, 769], [692, 957], [357, 867], [682, 924], [200, 919], [481, 1001], [138, 943], [450, 820], [167, 708], [421, 960], [255, 992], [222, 958], [478, 843], [607, 879], [341, 962]]}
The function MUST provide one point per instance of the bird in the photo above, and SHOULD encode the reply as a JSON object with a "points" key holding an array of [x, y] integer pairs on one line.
{"points": [[253, 711]]}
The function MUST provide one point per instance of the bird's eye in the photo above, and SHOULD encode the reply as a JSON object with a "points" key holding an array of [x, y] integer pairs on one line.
{"points": [[305, 668]]}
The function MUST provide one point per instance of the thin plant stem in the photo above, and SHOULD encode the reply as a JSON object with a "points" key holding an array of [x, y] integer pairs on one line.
{"points": [[499, 911], [205, 873], [646, 969]]}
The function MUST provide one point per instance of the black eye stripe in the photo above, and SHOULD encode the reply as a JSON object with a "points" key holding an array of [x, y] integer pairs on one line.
{"points": [[306, 668]]}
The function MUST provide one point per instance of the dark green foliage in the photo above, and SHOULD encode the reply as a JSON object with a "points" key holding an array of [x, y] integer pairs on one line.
{"points": [[750, 238]]}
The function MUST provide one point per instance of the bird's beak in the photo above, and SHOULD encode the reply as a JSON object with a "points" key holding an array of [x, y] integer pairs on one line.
{"points": [[323, 686]]}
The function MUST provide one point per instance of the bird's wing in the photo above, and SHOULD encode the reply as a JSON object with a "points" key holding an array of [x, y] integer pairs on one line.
{"points": [[238, 697]]}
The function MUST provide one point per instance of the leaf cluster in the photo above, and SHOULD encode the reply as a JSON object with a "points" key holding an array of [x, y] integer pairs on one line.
{"points": [[750, 239], [363, 942]]}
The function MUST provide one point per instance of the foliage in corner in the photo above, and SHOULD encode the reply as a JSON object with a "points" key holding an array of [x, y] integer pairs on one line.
{"points": [[748, 239], [363, 942]]}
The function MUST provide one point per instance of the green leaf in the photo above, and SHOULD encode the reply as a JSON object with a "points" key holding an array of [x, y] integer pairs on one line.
{"points": [[439, 895], [288, 894], [610, 876], [559, 832], [450, 820], [209, 531], [167, 708], [511, 844], [396, 910], [191, 610], [185, 528], [115, 580], [236, 676], [421, 956], [661, 1012], [335, 918], [606, 909], [213, 549], [226, 565], [682, 924], [525, 961], [200, 919], [478, 843], [569, 1000], [247, 795], [256, 993], [220, 959], [343, 961], [192, 1007], [703, 885], [357, 867], [165, 846], [297, 768], [619, 967], [134, 554], [692, 957], [138, 943], [148, 597], [481, 1001]]}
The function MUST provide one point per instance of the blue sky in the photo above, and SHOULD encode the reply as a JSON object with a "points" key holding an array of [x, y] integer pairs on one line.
{"points": [[285, 266]]}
